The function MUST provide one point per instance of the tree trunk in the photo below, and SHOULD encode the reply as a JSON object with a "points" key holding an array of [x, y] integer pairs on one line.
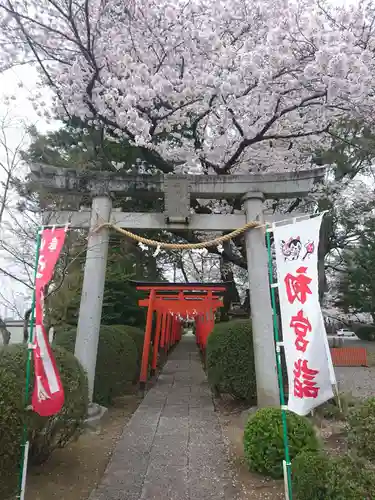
{"points": [[231, 295], [26, 321], [325, 232], [246, 303], [181, 267], [4, 332]]}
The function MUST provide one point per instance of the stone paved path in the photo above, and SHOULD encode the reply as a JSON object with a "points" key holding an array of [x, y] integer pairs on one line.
{"points": [[172, 448]]}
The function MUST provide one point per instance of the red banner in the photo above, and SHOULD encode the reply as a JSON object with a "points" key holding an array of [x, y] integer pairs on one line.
{"points": [[48, 394], [49, 252]]}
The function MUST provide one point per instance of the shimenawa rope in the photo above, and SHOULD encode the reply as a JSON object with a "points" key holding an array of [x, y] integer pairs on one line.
{"points": [[180, 246]]}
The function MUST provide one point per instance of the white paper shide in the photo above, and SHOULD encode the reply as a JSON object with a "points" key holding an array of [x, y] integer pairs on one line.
{"points": [[310, 372]]}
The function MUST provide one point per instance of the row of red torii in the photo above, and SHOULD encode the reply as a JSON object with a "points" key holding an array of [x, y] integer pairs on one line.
{"points": [[175, 303]]}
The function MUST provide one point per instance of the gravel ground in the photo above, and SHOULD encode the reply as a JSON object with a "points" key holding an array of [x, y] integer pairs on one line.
{"points": [[358, 381]]}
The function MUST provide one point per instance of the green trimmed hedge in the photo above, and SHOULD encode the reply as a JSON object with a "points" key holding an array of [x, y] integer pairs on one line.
{"points": [[116, 364], [44, 434], [135, 333], [361, 428], [263, 440], [138, 336], [365, 332], [309, 475], [316, 476], [230, 360]]}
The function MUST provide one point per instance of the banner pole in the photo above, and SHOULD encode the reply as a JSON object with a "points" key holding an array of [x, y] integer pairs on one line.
{"points": [[336, 389], [25, 443], [278, 344]]}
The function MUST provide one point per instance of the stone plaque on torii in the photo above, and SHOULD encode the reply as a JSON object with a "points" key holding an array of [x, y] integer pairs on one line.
{"points": [[178, 191]]}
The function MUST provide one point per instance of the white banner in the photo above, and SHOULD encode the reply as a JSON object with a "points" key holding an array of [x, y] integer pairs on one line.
{"points": [[309, 364]]}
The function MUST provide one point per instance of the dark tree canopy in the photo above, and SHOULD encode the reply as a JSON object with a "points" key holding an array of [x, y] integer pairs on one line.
{"points": [[357, 281]]}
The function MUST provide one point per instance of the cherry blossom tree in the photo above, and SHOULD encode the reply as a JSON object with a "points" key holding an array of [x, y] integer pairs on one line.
{"points": [[201, 86], [10, 171], [206, 85]]}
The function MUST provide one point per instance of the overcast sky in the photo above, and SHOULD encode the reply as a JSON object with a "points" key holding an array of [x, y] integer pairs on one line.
{"points": [[21, 83], [16, 88]]}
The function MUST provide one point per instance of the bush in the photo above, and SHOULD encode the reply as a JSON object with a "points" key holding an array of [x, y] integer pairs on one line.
{"points": [[316, 476], [263, 440], [230, 360], [44, 434], [116, 364], [12, 417], [138, 337], [331, 410], [365, 332], [349, 478], [135, 333], [361, 427], [309, 471]]}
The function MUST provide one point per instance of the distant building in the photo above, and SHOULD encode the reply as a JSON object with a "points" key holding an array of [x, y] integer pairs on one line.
{"points": [[15, 328]]}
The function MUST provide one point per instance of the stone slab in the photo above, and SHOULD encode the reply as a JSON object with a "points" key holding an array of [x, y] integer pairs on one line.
{"points": [[172, 448], [108, 493], [177, 410], [166, 482], [126, 474], [204, 486], [170, 425]]}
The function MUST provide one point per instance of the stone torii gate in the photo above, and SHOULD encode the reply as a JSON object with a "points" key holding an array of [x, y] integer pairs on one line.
{"points": [[178, 191]]}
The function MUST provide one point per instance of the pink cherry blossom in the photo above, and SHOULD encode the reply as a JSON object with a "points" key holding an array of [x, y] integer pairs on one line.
{"points": [[211, 86]]}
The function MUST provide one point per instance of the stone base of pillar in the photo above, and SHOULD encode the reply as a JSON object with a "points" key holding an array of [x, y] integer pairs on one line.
{"points": [[246, 414], [95, 416]]}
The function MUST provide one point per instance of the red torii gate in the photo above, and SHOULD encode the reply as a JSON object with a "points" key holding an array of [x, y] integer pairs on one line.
{"points": [[173, 304]]}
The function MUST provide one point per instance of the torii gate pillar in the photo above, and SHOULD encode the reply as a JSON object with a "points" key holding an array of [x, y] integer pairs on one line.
{"points": [[90, 310], [260, 302]]}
